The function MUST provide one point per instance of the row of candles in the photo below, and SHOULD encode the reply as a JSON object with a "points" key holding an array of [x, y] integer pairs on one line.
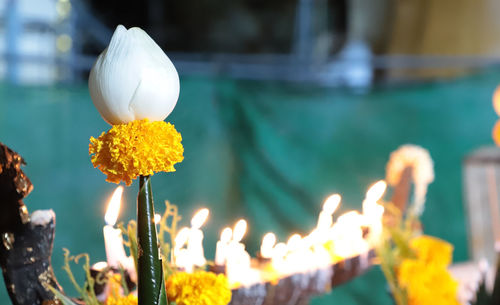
{"points": [[352, 234]]}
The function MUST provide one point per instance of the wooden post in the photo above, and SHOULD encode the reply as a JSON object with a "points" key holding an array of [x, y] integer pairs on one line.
{"points": [[298, 289]]}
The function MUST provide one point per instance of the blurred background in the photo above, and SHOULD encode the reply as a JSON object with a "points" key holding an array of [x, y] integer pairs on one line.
{"points": [[282, 103]]}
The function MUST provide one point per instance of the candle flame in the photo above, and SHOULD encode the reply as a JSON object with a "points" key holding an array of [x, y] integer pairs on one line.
{"points": [[376, 191], [225, 235], [157, 218], [113, 208], [331, 203], [268, 242], [199, 218], [370, 206], [240, 228]]}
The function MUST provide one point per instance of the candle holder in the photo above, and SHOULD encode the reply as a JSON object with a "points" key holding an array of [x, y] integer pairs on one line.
{"points": [[217, 269], [299, 288]]}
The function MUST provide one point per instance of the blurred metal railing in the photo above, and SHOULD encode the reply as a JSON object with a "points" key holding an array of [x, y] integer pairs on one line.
{"points": [[354, 66]]}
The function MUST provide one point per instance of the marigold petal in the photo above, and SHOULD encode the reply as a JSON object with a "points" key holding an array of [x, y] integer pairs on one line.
{"points": [[198, 288], [432, 250]]}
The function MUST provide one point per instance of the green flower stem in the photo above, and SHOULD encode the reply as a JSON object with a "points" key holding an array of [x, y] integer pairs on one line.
{"points": [[149, 272]]}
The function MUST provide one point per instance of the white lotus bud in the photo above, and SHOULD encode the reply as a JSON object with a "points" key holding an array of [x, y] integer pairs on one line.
{"points": [[133, 79]]}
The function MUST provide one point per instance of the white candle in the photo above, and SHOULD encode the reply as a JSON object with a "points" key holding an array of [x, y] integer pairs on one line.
{"points": [[240, 228], [239, 270], [182, 257], [188, 249], [347, 235], [195, 247], [222, 249], [278, 256], [238, 261], [374, 212], [115, 253], [299, 256], [113, 240], [325, 219], [268, 242], [235, 246], [195, 240], [374, 193]]}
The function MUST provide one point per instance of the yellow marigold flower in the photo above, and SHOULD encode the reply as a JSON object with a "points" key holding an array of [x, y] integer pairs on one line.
{"points": [[198, 288], [427, 283], [122, 300], [432, 250], [137, 148]]}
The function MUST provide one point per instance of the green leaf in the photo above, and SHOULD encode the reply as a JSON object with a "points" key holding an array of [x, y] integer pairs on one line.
{"points": [[149, 269], [163, 293]]}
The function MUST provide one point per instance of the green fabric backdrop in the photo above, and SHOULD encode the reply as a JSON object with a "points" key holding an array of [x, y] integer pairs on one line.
{"points": [[268, 152]]}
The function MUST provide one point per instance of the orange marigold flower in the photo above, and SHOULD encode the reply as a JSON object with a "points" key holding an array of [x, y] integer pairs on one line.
{"points": [[137, 148], [198, 288]]}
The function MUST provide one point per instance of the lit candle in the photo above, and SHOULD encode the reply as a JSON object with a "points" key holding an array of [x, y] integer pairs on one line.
{"points": [[325, 219], [238, 269], [221, 251], [347, 235], [182, 257], [320, 235], [188, 248], [278, 256], [240, 228], [374, 212], [238, 261], [113, 240], [293, 243], [299, 257], [195, 241], [267, 246], [374, 194], [235, 246]]}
